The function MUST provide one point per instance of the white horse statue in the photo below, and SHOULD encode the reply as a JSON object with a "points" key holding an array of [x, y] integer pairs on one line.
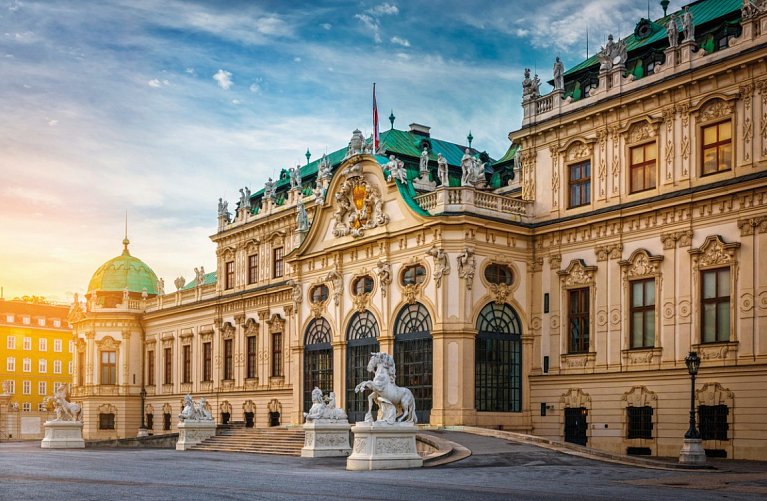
{"points": [[386, 393]]}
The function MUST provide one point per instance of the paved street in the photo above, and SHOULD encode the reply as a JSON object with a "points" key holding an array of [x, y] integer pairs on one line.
{"points": [[496, 470]]}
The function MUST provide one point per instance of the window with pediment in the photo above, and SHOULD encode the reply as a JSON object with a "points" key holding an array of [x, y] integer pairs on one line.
{"points": [[716, 122]]}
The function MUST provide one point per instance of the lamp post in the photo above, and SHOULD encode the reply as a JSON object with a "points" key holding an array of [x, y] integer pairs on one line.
{"points": [[692, 450], [142, 431]]}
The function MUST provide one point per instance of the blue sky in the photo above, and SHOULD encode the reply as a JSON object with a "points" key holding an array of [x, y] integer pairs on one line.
{"points": [[159, 107]]}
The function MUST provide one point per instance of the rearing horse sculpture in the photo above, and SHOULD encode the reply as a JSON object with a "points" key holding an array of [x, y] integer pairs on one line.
{"points": [[386, 393]]}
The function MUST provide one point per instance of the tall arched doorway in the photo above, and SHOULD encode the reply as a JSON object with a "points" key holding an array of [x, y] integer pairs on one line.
{"points": [[413, 356], [361, 341], [498, 360], [318, 360]]}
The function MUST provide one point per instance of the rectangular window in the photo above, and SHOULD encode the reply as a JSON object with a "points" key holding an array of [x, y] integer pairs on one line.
{"points": [[228, 359], [150, 368], [108, 367], [71, 347], [579, 320], [715, 305], [11, 387], [11, 343], [26, 320], [10, 318], [187, 359], [26, 387], [168, 353], [10, 364], [57, 345], [252, 356], [41, 322], [56, 322], [579, 184], [26, 407], [642, 324], [27, 343], [207, 358], [253, 268], [278, 263], [42, 366], [229, 275], [106, 421], [717, 148], [643, 168], [150, 421], [57, 366], [41, 407], [276, 354], [713, 422], [166, 421], [639, 422], [42, 388], [27, 365], [70, 367]]}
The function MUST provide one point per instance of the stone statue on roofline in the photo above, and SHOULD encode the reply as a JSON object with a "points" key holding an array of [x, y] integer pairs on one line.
{"points": [[324, 168], [223, 210], [396, 169], [751, 8], [442, 170], [672, 31], [179, 282], [559, 75], [270, 192], [295, 178], [423, 166], [356, 144], [688, 25]]}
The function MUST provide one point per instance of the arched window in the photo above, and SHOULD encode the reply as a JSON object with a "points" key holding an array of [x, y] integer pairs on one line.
{"points": [[361, 341], [413, 356], [318, 359], [498, 360], [362, 285]]}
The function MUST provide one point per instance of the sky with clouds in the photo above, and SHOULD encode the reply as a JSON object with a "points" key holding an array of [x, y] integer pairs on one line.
{"points": [[159, 107]]}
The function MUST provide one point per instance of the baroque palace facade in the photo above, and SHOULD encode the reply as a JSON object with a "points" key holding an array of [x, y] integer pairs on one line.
{"points": [[560, 300]]}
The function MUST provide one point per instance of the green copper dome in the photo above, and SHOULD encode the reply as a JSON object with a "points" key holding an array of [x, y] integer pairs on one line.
{"points": [[124, 271]]}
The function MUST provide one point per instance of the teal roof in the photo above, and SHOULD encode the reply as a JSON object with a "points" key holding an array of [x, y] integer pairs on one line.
{"points": [[395, 142], [124, 272], [702, 12], [509, 155], [208, 279]]}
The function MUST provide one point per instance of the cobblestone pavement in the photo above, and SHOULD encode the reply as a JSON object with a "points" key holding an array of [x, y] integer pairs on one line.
{"points": [[496, 470]]}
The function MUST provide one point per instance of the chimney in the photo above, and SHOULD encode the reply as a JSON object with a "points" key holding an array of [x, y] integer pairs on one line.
{"points": [[421, 130]]}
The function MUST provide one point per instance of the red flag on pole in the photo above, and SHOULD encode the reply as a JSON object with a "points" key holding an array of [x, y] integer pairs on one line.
{"points": [[375, 121]]}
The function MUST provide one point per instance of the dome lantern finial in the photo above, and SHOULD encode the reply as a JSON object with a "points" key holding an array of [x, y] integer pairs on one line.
{"points": [[125, 240]]}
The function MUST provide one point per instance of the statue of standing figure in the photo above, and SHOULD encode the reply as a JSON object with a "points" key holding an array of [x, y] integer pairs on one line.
{"points": [[442, 170], [423, 166], [559, 75], [302, 218], [672, 31], [396, 169], [295, 178], [688, 25], [269, 190]]}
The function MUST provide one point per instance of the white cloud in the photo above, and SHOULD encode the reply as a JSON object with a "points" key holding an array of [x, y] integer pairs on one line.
{"points": [[385, 9], [190, 71], [327, 26], [400, 41], [372, 25], [236, 101], [255, 88], [296, 59], [53, 123], [224, 79], [156, 83]]}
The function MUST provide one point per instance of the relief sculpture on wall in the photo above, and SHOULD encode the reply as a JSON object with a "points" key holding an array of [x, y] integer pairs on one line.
{"points": [[359, 207]]}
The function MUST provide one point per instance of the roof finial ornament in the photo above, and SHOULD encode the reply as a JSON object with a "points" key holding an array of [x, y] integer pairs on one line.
{"points": [[470, 138], [664, 4], [391, 118], [125, 240], [308, 156]]}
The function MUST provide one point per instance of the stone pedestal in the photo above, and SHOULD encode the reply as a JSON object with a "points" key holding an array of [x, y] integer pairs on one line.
{"points": [[191, 433], [326, 438], [63, 435], [423, 183], [381, 446], [142, 432], [692, 452]]}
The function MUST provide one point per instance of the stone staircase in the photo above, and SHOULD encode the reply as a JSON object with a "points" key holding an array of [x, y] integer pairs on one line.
{"points": [[283, 441]]}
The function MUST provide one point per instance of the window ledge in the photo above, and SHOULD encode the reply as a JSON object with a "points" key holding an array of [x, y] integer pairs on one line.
{"points": [[581, 361], [717, 351], [642, 356]]}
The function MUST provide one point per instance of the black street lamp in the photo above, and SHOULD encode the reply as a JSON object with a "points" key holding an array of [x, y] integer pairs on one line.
{"points": [[143, 397], [692, 361]]}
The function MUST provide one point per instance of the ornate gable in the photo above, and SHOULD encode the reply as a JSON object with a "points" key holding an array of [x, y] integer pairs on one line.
{"points": [[358, 205], [714, 252], [641, 264], [577, 274]]}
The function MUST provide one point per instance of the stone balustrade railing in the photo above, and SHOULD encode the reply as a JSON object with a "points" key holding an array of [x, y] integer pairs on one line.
{"points": [[471, 201]]}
